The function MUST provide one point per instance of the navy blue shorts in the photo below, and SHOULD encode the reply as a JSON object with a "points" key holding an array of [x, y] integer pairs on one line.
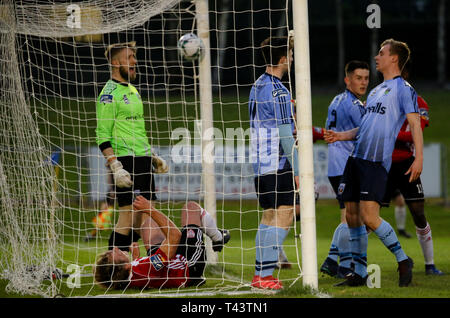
{"points": [[335, 181], [363, 180], [398, 182], [274, 190]]}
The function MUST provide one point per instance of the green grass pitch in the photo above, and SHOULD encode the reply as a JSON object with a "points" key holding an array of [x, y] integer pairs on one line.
{"points": [[242, 218]]}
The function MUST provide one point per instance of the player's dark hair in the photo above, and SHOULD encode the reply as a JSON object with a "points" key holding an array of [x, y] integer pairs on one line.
{"points": [[400, 49], [351, 66], [274, 48], [109, 275]]}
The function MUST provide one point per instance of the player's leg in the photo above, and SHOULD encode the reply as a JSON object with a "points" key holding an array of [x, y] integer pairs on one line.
{"points": [[127, 228], [348, 192], [276, 196], [385, 232], [193, 213], [340, 243], [400, 215], [120, 235], [271, 234], [414, 197], [373, 191], [192, 246]]}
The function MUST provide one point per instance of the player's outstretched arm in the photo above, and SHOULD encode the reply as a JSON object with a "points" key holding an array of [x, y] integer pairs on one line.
{"points": [[170, 230], [416, 131], [331, 136]]}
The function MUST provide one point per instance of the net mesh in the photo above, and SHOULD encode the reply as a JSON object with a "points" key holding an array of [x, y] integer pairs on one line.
{"points": [[53, 181]]}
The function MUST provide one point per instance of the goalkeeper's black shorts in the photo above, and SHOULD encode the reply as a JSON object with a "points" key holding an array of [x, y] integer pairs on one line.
{"points": [[140, 170], [274, 190]]}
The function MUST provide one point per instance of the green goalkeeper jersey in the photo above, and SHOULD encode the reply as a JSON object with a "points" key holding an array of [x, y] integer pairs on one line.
{"points": [[120, 120]]}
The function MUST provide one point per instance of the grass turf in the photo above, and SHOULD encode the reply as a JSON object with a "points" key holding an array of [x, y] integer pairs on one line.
{"points": [[73, 125], [239, 257]]}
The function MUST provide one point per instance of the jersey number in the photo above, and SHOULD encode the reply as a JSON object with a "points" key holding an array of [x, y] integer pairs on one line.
{"points": [[252, 112], [334, 121], [419, 188]]}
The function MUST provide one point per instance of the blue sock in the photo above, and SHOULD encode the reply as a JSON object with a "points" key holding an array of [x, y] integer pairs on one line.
{"points": [[345, 251], [260, 235], [269, 242], [334, 248], [358, 243], [387, 235]]}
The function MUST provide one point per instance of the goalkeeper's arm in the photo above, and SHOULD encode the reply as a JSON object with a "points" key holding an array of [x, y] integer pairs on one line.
{"points": [[122, 178]]}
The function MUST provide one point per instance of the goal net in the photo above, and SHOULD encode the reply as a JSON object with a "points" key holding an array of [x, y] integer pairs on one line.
{"points": [[56, 214]]}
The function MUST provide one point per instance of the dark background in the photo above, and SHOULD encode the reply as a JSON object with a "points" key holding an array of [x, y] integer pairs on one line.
{"points": [[69, 67]]}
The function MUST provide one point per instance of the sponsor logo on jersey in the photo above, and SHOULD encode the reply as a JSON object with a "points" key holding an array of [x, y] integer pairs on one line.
{"points": [[106, 99], [279, 92], [376, 109], [157, 261], [190, 233], [125, 99], [424, 114]]}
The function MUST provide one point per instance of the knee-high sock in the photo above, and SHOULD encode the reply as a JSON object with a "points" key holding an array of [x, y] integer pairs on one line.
{"points": [[345, 251], [210, 226], [333, 253], [358, 243], [122, 241], [268, 241], [387, 235], [426, 243], [400, 217]]}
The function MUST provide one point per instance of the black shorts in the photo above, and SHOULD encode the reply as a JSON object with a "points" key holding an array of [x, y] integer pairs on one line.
{"points": [[398, 182], [140, 169], [274, 190], [335, 182], [192, 247], [363, 180]]}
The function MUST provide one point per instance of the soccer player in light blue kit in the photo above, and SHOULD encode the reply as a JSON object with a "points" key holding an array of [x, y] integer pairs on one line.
{"points": [[364, 181], [344, 113], [273, 157]]}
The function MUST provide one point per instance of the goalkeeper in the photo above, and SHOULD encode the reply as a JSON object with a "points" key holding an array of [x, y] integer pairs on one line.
{"points": [[121, 136]]}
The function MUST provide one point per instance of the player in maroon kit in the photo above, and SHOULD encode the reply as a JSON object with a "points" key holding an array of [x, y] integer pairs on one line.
{"points": [[178, 261], [398, 183]]}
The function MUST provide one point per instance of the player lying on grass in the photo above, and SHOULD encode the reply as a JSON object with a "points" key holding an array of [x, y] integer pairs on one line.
{"points": [[177, 261]]}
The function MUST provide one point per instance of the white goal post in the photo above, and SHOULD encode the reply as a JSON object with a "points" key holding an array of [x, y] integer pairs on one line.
{"points": [[305, 143], [52, 220]]}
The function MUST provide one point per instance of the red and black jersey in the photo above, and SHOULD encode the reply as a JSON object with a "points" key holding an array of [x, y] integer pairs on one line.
{"points": [[156, 271], [404, 146]]}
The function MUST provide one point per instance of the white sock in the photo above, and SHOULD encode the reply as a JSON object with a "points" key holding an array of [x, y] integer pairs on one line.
{"points": [[426, 242], [400, 217], [210, 227]]}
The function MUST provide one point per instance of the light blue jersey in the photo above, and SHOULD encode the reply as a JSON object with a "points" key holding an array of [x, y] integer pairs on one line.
{"points": [[269, 107], [344, 113], [386, 109]]}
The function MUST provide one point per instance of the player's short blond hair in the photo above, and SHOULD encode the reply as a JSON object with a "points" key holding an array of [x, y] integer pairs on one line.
{"points": [[110, 275], [115, 48]]}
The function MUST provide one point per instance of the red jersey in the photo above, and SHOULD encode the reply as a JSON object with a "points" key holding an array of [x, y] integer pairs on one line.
{"points": [[156, 272], [404, 146]]}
